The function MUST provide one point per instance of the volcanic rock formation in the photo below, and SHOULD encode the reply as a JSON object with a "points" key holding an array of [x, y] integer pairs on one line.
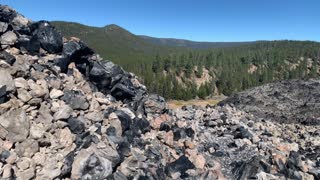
{"points": [[65, 113]]}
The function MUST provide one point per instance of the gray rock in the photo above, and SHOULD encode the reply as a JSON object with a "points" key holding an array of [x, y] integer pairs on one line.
{"points": [[6, 80], [155, 104], [24, 95], [96, 116], [75, 99], [3, 27], [7, 57], [55, 93], [20, 21], [8, 38], [63, 113], [37, 130], [38, 89], [16, 125], [27, 148], [88, 164], [26, 174]]}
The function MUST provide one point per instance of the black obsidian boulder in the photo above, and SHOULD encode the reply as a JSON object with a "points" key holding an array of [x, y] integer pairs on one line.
{"points": [[6, 14], [76, 126], [165, 127], [67, 165], [179, 133], [8, 58], [242, 133], [50, 39], [180, 165], [141, 125], [29, 44], [125, 120], [122, 92], [102, 73], [99, 75], [249, 169], [75, 50]]}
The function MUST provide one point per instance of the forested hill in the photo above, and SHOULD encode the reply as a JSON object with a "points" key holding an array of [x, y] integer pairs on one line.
{"points": [[187, 73], [112, 42], [171, 42]]}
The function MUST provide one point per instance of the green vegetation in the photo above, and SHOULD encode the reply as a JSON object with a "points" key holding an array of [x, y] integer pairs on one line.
{"points": [[186, 73]]}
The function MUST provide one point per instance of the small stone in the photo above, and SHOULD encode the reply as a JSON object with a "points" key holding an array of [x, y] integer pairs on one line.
{"points": [[3, 27], [6, 80], [7, 145], [266, 176], [24, 95], [66, 138], [8, 38], [26, 174], [75, 99], [64, 112], [12, 158], [16, 125], [7, 57], [55, 93], [23, 163], [37, 130], [7, 171], [27, 148], [95, 116], [168, 138], [38, 89], [189, 144], [199, 161], [21, 83], [76, 125], [39, 158]]}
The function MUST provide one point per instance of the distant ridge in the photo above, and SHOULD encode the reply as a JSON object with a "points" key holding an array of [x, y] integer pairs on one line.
{"points": [[172, 42]]}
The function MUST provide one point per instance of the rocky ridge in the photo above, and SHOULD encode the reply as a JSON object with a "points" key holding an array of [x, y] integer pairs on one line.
{"points": [[65, 113]]}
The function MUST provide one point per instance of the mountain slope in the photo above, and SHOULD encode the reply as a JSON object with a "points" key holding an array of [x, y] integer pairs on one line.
{"points": [[171, 42], [112, 41]]}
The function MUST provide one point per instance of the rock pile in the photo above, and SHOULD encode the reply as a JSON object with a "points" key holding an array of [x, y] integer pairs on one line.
{"points": [[240, 145], [65, 113], [299, 101]]}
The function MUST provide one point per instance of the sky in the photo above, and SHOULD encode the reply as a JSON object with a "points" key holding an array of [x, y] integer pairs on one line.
{"points": [[198, 20]]}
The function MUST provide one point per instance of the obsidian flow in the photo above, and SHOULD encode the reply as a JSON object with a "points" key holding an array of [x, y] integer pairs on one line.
{"points": [[300, 99], [138, 150]]}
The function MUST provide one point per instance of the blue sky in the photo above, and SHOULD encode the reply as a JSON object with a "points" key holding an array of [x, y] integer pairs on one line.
{"points": [[200, 20]]}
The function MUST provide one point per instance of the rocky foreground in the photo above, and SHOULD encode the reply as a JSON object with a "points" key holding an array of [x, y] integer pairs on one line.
{"points": [[65, 113]]}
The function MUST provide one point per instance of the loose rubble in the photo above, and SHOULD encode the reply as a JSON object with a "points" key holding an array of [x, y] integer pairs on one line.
{"points": [[65, 113]]}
